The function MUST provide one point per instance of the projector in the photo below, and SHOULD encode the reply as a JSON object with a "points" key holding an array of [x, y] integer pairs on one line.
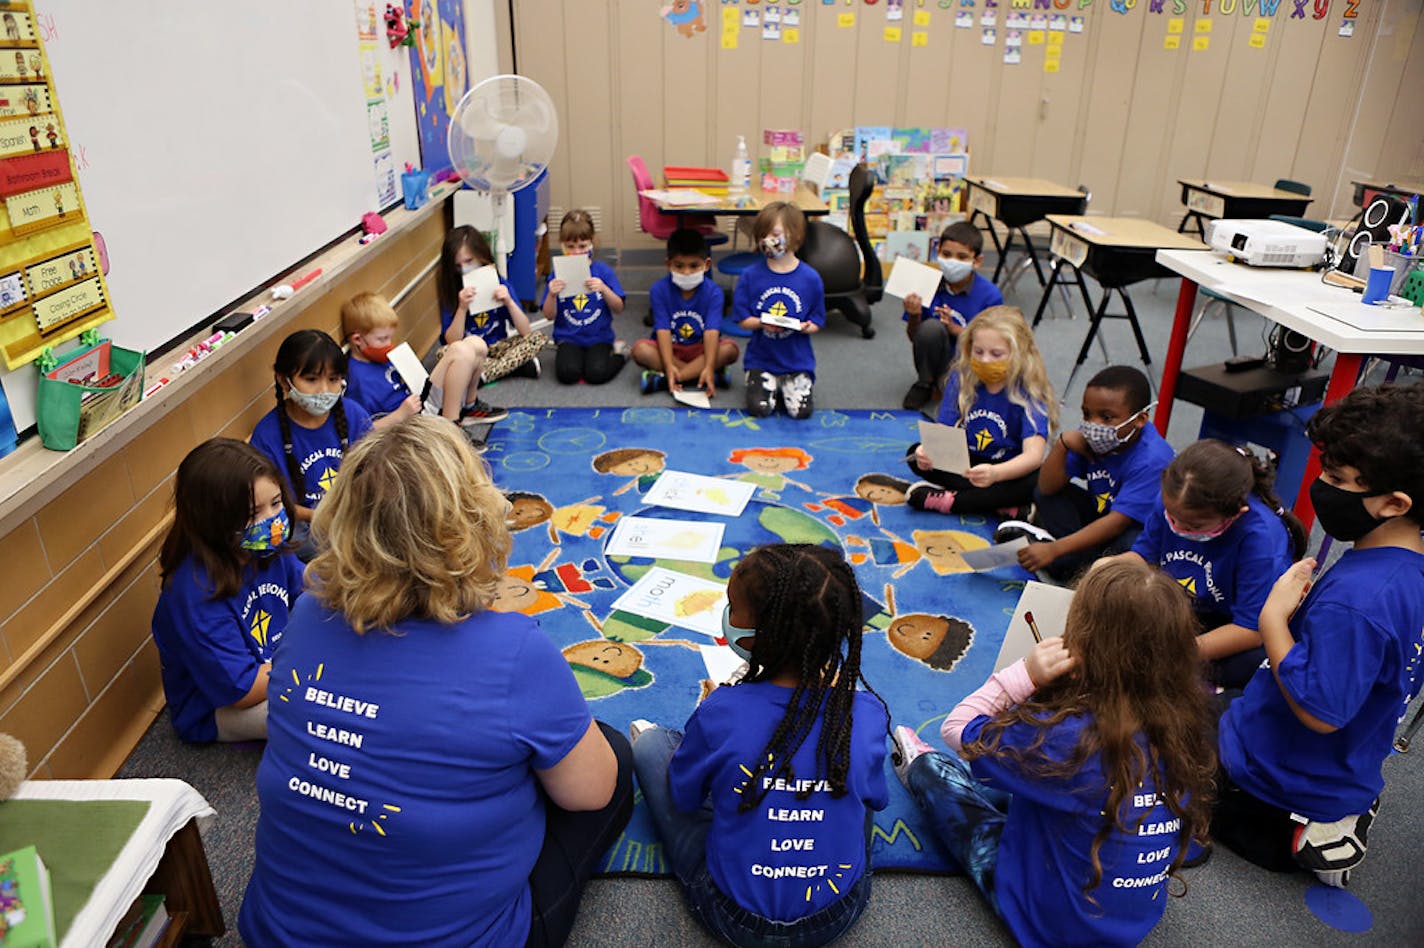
{"points": [[1266, 243]]}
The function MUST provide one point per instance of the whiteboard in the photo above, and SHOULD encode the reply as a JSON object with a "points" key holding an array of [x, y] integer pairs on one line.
{"points": [[215, 144]]}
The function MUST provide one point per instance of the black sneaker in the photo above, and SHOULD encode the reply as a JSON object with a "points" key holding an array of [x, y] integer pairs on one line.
{"points": [[1331, 850], [1013, 529], [481, 412], [918, 396]]}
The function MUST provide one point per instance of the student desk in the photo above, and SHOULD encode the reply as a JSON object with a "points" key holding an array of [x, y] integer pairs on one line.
{"points": [[1235, 199], [1403, 190], [1016, 203], [750, 204], [1115, 251], [1329, 315]]}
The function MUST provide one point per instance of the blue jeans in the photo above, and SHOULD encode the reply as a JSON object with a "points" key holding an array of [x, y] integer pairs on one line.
{"points": [[967, 815], [684, 837]]}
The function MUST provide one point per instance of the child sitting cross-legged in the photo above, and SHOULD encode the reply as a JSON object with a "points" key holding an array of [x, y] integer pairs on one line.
{"points": [[687, 344]]}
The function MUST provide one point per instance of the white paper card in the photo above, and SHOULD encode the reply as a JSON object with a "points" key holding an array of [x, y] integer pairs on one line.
{"points": [[947, 447], [677, 599], [909, 276], [713, 495], [783, 322], [696, 541], [484, 280], [574, 271], [408, 364], [724, 666], [1042, 613], [694, 397], [817, 170], [996, 556]]}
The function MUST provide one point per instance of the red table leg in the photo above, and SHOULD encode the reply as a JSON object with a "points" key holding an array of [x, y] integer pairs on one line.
{"points": [[1176, 347], [1342, 378]]}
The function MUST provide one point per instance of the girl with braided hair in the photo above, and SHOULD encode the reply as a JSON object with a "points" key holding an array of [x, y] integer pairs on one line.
{"points": [[764, 805], [308, 432]]}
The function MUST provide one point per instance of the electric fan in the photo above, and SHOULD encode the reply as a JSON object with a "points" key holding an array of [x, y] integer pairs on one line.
{"points": [[502, 135]]}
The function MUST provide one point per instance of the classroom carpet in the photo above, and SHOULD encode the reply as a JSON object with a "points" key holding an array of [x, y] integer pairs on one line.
{"points": [[932, 627]]}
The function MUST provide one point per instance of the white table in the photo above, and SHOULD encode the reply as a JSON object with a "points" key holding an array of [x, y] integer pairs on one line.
{"points": [[1298, 300]]}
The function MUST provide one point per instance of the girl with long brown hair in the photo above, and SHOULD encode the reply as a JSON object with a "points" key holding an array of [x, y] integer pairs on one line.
{"points": [[1078, 777]]}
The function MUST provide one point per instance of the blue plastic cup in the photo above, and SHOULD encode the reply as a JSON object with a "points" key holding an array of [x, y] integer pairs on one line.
{"points": [[413, 186], [1377, 284]]}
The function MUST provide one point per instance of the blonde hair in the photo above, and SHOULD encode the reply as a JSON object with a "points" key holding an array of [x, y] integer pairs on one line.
{"points": [[365, 312], [792, 219], [1027, 383], [413, 526], [576, 225]]}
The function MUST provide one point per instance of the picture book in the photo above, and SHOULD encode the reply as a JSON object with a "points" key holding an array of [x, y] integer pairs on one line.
{"points": [[26, 911]]}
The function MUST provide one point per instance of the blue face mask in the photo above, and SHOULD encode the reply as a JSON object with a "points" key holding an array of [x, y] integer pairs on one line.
{"points": [[267, 535], [734, 633]]}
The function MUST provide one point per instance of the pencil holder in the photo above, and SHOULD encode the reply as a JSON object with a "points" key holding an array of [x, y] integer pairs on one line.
{"points": [[413, 185]]}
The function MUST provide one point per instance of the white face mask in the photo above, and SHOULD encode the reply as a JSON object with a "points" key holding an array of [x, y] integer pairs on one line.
{"points": [[687, 281], [955, 270], [469, 268]]}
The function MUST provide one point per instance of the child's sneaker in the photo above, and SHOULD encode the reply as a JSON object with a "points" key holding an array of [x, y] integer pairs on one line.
{"points": [[481, 412], [652, 382], [621, 348], [918, 396], [923, 495], [1013, 529], [908, 746], [722, 379], [638, 726], [1331, 850]]}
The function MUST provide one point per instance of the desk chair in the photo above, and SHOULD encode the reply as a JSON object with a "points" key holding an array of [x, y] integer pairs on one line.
{"points": [[860, 187], [832, 253]]}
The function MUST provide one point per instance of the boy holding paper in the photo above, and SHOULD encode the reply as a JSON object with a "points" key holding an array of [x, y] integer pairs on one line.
{"points": [[961, 296]]}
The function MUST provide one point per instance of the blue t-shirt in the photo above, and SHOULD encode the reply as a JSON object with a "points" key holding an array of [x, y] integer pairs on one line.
{"points": [[1045, 852], [686, 319], [399, 803], [317, 450], [977, 297], [796, 295], [1354, 665], [210, 648], [375, 386], [996, 427], [1129, 480], [787, 858], [492, 325], [1229, 575], [584, 319]]}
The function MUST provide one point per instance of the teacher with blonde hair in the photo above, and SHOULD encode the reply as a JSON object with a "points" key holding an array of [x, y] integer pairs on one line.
{"points": [[433, 774]]}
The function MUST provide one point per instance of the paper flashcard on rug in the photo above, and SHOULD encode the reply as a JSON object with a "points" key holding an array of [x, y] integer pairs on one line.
{"points": [[712, 495], [696, 541], [574, 271], [1042, 613], [692, 397], [994, 557], [677, 599], [484, 281], [947, 446], [910, 276]]}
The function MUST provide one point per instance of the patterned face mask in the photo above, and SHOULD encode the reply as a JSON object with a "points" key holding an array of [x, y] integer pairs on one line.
{"points": [[774, 247], [1105, 439], [267, 535]]}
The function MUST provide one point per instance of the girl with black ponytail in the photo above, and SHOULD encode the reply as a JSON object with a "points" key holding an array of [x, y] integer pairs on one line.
{"points": [[1224, 536], [764, 804], [308, 432]]}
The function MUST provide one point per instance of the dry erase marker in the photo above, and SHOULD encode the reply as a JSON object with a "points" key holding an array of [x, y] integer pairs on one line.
{"points": [[259, 312], [1032, 626], [303, 281]]}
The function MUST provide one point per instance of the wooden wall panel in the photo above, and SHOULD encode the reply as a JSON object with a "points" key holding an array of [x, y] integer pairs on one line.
{"points": [[1122, 114]]}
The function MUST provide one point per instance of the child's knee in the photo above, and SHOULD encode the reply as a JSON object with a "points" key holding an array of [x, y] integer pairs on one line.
{"points": [[727, 353]]}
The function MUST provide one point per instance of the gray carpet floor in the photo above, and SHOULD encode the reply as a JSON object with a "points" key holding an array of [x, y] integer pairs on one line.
{"points": [[1227, 901]]}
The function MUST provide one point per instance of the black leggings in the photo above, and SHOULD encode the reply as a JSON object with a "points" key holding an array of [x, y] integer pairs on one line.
{"points": [[979, 500], [573, 844], [594, 364]]}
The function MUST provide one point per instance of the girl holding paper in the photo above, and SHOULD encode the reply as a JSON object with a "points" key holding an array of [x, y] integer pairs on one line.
{"points": [[998, 392], [588, 350], [465, 252]]}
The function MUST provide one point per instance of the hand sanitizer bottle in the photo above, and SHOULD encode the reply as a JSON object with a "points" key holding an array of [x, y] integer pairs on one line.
{"points": [[741, 168]]}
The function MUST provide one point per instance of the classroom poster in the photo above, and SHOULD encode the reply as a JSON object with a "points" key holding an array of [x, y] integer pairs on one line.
{"points": [[438, 74]]}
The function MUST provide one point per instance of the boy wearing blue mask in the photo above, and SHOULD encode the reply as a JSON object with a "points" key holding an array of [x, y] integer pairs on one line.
{"points": [[962, 294], [686, 345], [1303, 746], [1120, 459]]}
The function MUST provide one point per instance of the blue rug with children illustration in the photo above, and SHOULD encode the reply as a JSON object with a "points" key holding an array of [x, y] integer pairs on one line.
{"points": [[932, 627]]}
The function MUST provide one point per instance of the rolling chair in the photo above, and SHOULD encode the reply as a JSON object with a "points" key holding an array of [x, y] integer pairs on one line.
{"points": [[860, 186], [832, 253]]}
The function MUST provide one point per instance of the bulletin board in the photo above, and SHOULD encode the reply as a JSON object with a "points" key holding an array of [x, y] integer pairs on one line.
{"points": [[215, 146], [440, 74]]}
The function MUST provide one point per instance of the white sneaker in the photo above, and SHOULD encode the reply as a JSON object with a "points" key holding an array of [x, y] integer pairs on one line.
{"points": [[620, 348], [1331, 850], [1013, 529], [638, 727], [908, 746]]}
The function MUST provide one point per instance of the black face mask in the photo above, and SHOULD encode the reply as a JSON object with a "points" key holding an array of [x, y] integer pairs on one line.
{"points": [[1342, 512]]}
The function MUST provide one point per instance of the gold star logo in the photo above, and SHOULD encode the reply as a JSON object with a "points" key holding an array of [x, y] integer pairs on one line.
{"points": [[778, 309], [1188, 583], [685, 331], [260, 623], [982, 440], [481, 319], [329, 478], [580, 301], [1103, 501]]}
